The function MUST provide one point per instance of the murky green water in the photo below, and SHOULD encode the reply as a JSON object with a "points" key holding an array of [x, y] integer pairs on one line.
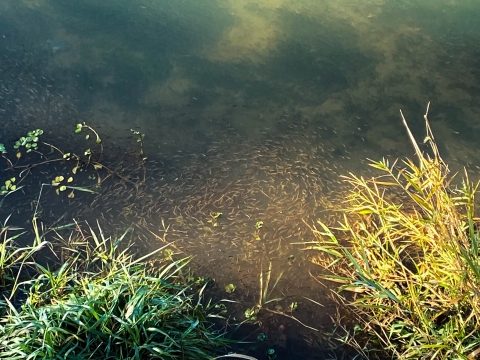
{"points": [[256, 107]]}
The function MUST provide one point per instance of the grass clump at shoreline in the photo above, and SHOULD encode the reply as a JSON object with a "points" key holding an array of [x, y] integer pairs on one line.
{"points": [[406, 257], [102, 303]]}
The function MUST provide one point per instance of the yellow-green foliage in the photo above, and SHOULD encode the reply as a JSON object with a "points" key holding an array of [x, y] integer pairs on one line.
{"points": [[406, 256]]}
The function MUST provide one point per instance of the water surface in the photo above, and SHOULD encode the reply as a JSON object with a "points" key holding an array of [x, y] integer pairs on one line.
{"points": [[250, 108]]}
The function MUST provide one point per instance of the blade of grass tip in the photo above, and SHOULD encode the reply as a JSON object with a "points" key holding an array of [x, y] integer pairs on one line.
{"points": [[100, 230], [4, 225], [10, 192], [267, 283], [261, 285], [200, 294], [121, 238], [412, 138], [35, 212], [166, 269], [315, 302], [141, 259], [12, 308], [94, 236], [38, 238], [82, 189], [16, 283], [276, 283]]}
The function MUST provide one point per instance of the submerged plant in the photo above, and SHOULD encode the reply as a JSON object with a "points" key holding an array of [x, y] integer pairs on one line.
{"points": [[264, 296], [407, 258]]}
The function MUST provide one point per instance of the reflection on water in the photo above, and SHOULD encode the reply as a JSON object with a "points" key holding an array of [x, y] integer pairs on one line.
{"points": [[251, 108]]}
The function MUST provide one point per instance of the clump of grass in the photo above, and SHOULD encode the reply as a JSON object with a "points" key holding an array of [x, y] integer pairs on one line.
{"points": [[15, 260], [406, 256], [103, 303]]}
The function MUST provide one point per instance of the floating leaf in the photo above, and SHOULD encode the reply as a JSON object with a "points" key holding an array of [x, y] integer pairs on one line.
{"points": [[70, 179], [74, 170], [19, 155], [57, 180], [97, 166], [63, 188], [87, 137], [71, 195], [230, 288]]}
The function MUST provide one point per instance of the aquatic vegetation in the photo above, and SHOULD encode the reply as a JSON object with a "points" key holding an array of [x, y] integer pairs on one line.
{"points": [[100, 299], [13, 259], [46, 155], [265, 294], [406, 256]]}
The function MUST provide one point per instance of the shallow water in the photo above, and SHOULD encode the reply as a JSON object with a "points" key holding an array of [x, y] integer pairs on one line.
{"points": [[251, 109]]}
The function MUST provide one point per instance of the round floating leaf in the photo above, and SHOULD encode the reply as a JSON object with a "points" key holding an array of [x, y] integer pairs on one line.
{"points": [[262, 337], [63, 188], [230, 288], [57, 180]]}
